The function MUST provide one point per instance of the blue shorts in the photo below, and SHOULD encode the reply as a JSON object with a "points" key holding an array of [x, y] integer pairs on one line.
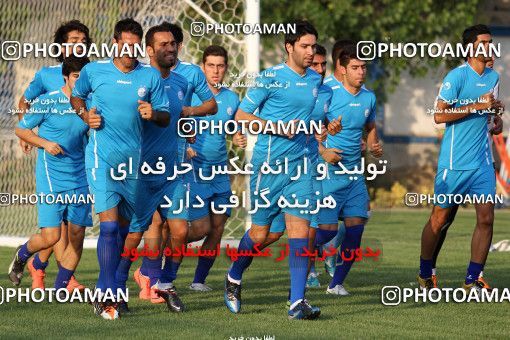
{"points": [[351, 197], [78, 211], [481, 181], [275, 186], [216, 192], [150, 198], [109, 193]]}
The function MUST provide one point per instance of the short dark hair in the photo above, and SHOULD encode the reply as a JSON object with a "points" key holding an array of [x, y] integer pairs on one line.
{"points": [[471, 33], [127, 25], [302, 27], [177, 32], [61, 34], [217, 51], [338, 48], [73, 64], [163, 27], [320, 50], [348, 52]]}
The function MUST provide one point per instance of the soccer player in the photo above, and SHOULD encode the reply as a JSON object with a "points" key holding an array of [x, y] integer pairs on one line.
{"points": [[464, 165], [197, 85], [159, 144], [312, 148], [208, 151], [277, 103], [60, 174], [357, 106], [49, 79], [125, 93]]}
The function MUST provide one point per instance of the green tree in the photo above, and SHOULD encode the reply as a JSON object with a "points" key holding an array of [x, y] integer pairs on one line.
{"points": [[381, 21]]}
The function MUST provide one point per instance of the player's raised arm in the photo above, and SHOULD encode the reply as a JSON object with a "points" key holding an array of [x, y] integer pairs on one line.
{"points": [[208, 106], [374, 146], [158, 108]]}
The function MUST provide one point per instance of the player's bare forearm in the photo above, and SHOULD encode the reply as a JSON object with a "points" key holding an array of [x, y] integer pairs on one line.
{"points": [[79, 107], [30, 137], [207, 108], [24, 106], [372, 137], [161, 118], [242, 116], [445, 113]]}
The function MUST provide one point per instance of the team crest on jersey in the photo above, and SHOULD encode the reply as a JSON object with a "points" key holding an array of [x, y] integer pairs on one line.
{"points": [[367, 112], [447, 85], [314, 92], [141, 91], [229, 111], [180, 95]]}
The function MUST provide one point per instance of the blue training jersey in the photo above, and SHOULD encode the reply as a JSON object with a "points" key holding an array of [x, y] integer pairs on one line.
{"points": [[356, 110], [465, 144], [211, 147], [281, 94], [47, 79], [319, 112], [197, 84], [57, 122], [162, 142], [115, 96]]}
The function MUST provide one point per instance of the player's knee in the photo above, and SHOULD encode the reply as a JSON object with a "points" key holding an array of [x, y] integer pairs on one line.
{"points": [[437, 222], [51, 238], [76, 234], [485, 221], [179, 234], [257, 235]]}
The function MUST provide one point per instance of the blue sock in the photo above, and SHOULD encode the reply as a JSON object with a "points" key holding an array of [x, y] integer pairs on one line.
{"points": [[298, 266], [23, 253], [203, 267], [122, 273], [152, 269], [324, 236], [108, 255], [425, 268], [63, 277], [337, 240], [473, 272], [169, 272], [121, 238], [38, 265], [352, 241], [243, 262]]}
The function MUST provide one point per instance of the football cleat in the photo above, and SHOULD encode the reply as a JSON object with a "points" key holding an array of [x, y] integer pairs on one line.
{"points": [[477, 285], [36, 274], [200, 287], [312, 281], [232, 295], [304, 311], [330, 264], [107, 310], [172, 300], [144, 283], [483, 282], [337, 290], [425, 283], [16, 269], [155, 298], [73, 284], [123, 308], [434, 280]]}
